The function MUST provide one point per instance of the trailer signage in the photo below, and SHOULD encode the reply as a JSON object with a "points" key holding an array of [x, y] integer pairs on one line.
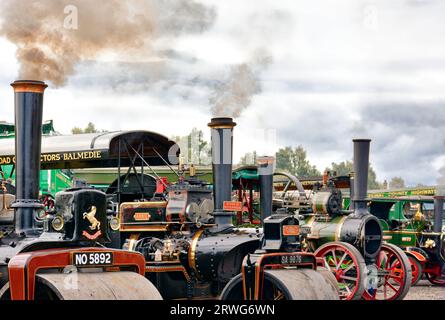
{"points": [[63, 156]]}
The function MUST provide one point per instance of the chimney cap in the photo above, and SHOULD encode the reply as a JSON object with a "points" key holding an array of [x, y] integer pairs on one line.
{"points": [[222, 123], [361, 140], [34, 86]]}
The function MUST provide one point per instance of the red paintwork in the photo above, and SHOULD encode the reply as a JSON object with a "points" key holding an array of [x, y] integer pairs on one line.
{"points": [[394, 269], [260, 266], [434, 274], [420, 257], [415, 270], [433, 271], [24, 267], [160, 186], [340, 273]]}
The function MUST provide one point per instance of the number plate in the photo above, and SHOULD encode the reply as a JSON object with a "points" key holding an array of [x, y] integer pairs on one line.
{"points": [[92, 259]]}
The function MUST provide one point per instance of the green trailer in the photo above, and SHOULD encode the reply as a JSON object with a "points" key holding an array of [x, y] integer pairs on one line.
{"points": [[51, 181], [407, 216], [415, 224]]}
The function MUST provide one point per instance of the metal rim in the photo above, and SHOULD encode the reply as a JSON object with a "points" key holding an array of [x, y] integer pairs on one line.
{"points": [[274, 290], [286, 284], [347, 265], [393, 275], [416, 270], [438, 280]]}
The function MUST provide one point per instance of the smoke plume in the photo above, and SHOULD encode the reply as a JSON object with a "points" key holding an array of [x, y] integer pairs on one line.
{"points": [[53, 36], [234, 94]]}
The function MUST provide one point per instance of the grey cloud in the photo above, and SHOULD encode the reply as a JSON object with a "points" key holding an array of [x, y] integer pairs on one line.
{"points": [[183, 16], [407, 137]]}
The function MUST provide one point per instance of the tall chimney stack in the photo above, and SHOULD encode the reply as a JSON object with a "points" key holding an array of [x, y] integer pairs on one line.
{"points": [[438, 213], [28, 138], [351, 191], [266, 168], [361, 166], [222, 157]]}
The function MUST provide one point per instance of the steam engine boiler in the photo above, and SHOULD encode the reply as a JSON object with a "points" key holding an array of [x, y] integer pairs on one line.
{"points": [[66, 257], [350, 243], [194, 251]]}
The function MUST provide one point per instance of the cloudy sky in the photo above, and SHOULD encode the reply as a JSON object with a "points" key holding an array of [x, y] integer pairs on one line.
{"points": [[336, 70]]}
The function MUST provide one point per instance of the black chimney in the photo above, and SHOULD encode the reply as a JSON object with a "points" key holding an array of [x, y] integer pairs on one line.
{"points": [[266, 168], [28, 138], [222, 156], [351, 191], [438, 213], [361, 165]]}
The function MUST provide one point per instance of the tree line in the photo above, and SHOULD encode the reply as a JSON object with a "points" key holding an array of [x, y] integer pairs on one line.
{"points": [[291, 159], [295, 161]]}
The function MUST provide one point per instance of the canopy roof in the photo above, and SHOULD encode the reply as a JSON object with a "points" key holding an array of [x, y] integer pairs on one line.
{"points": [[98, 150]]}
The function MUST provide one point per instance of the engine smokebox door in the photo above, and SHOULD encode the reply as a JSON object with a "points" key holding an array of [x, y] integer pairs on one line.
{"points": [[89, 218]]}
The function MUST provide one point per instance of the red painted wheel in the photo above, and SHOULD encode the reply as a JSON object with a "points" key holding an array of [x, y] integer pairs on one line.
{"points": [[416, 270], [390, 277], [436, 278], [347, 265]]}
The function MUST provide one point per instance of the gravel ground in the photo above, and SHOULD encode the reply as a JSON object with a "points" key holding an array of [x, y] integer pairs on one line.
{"points": [[425, 291]]}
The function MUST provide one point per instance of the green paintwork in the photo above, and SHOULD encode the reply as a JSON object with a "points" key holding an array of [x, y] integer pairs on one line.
{"points": [[405, 238], [51, 181], [420, 191], [406, 203], [323, 229], [7, 130]]}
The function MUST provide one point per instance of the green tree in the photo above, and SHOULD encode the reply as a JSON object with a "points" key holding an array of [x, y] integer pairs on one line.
{"points": [[249, 158], [294, 160], [90, 128], [346, 167], [397, 183], [194, 147]]}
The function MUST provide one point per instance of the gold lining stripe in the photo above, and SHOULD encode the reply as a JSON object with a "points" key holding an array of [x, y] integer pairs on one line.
{"points": [[133, 240], [310, 221], [192, 251], [339, 227]]}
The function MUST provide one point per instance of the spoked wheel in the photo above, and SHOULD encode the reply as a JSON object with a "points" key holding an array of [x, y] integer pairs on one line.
{"points": [[437, 279], [416, 270], [347, 265], [390, 277]]}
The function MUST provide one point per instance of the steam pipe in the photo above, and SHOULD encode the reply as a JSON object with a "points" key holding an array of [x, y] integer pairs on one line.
{"points": [[28, 137], [222, 157], [266, 168], [438, 213], [361, 166]]}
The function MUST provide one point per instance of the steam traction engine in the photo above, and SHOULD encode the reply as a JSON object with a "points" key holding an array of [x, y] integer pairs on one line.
{"points": [[347, 242], [419, 232], [64, 258], [193, 250], [350, 243]]}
